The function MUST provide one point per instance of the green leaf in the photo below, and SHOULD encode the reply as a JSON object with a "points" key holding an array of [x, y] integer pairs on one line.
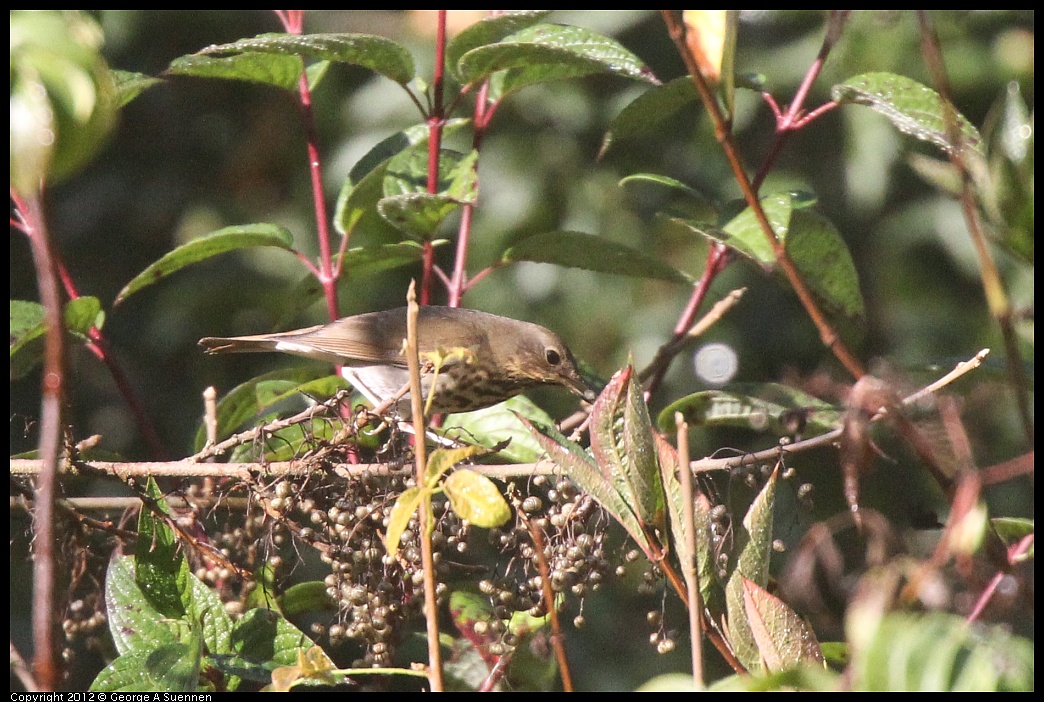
{"points": [[744, 235], [307, 597], [548, 52], [62, 98], [409, 206], [661, 181], [364, 187], [766, 407], [593, 253], [442, 459], [401, 513], [240, 236], [476, 498], [254, 397], [467, 609], [809, 678], [582, 469], [670, 682], [27, 320], [292, 442], [490, 30], [784, 639], [407, 173], [623, 446], [824, 262], [669, 470], [499, 425], [1012, 529], [134, 622], [357, 204], [263, 636], [711, 583], [940, 652], [28, 328], [812, 243], [168, 667], [913, 108], [315, 72], [130, 85], [650, 110], [160, 569], [378, 54], [268, 69], [417, 214], [365, 261], [753, 544], [207, 613], [83, 314]]}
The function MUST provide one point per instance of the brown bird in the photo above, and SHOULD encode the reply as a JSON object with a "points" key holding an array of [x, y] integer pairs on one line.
{"points": [[485, 359]]}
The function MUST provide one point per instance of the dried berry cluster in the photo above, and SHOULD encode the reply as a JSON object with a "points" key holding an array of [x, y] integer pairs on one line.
{"points": [[379, 599]]}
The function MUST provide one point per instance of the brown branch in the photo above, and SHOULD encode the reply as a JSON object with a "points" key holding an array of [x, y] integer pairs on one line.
{"points": [[992, 285], [668, 351], [722, 131], [557, 642], [45, 662], [431, 611], [689, 567]]}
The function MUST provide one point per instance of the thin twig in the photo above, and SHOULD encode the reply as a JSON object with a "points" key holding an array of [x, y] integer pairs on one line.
{"points": [[669, 350], [992, 284], [717, 260], [557, 642], [827, 335], [20, 669], [776, 452], [436, 119], [188, 468], [98, 345], [431, 613], [45, 663], [689, 568], [795, 117], [253, 434], [958, 370], [1015, 552]]}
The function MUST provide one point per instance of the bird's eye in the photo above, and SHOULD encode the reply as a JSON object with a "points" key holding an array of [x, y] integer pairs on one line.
{"points": [[553, 357]]}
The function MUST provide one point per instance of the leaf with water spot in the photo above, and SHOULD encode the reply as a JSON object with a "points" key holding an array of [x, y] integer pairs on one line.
{"points": [[753, 546], [783, 638], [582, 468], [913, 108], [622, 444]]}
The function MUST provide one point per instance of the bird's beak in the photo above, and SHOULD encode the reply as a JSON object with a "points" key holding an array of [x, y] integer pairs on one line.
{"points": [[584, 386]]}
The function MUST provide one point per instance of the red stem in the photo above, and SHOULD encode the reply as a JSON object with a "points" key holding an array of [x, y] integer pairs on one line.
{"points": [[326, 272], [459, 283], [719, 257], [436, 121], [99, 346]]}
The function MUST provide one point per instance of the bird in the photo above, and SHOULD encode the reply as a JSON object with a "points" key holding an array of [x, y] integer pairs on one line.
{"points": [[476, 359]]}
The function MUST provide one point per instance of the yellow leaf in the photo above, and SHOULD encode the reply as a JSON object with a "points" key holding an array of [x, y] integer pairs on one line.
{"points": [[475, 497], [705, 33]]}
